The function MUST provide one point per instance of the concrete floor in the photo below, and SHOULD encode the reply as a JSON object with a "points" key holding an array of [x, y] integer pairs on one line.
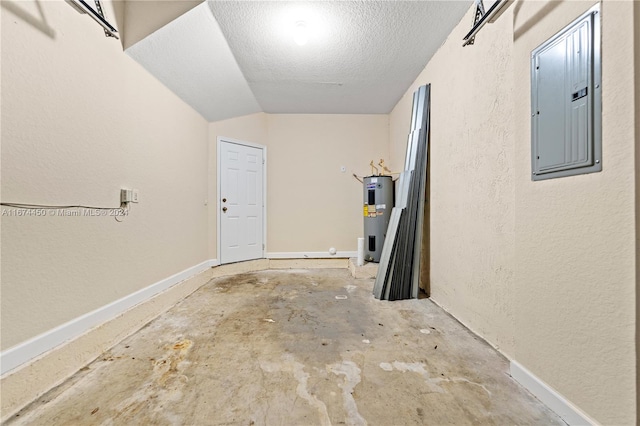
{"points": [[293, 347]]}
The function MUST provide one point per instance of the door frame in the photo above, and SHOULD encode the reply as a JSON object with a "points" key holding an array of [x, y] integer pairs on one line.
{"points": [[220, 140]]}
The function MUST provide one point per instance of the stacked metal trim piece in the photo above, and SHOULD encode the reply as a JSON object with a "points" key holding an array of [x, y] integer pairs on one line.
{"points": [[399, 269]]}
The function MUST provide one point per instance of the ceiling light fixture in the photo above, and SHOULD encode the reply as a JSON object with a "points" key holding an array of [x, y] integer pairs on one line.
{"points": [[300, 33]]}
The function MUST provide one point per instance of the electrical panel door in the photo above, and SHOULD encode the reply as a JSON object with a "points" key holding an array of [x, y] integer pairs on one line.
{"points": [[566, 101]]}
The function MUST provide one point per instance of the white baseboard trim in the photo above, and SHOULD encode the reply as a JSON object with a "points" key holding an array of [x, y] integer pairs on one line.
{"points": [[33, 348], [311, 255], [549, 396]]}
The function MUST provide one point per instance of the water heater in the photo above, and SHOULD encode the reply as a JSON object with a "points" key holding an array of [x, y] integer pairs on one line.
{"points": [[378, 202]]}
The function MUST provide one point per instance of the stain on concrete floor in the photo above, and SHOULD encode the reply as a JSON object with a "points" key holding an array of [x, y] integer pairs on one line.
{"points": [[293, 347]]}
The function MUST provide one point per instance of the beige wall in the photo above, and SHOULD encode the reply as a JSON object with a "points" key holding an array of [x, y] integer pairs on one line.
{"points": [[544, 270], [143, 17], [471, 181], [637, 95], [81, 120], [575, 247], [637, 183], [311, 205]]}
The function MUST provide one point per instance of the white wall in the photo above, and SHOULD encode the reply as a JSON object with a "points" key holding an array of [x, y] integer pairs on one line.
{"points": [[545, 271], [81, 120]]}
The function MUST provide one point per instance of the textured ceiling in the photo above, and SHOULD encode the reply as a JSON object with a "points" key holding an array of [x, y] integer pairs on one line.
{"points": [[363, 59], [230, 58], [191, 57]]}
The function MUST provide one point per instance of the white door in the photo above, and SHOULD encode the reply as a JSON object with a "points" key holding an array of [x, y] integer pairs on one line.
{"points": [[241, 202]]}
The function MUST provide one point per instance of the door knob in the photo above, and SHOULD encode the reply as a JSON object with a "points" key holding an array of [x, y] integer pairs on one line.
{"points": [[224, 209], [224, 200]]}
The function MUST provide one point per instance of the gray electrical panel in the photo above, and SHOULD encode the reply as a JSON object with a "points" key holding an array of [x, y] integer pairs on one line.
{"points": [[378, 202], [566, 101]]}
